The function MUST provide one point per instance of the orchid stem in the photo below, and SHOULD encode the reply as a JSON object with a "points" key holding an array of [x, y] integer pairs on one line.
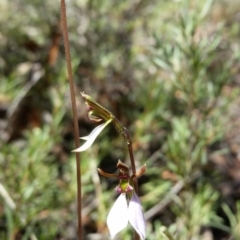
{"points": [[74, 110], [135, 182], [126, 135], [133, 167]]}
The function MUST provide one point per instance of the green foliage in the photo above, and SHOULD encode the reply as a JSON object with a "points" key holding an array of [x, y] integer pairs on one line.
{"points": [[234, 218], [166, 69]]}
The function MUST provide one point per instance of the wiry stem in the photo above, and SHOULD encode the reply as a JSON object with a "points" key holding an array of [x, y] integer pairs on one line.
{"points": [[125, 133], [74, 109], [135, 182], [133, 167]]}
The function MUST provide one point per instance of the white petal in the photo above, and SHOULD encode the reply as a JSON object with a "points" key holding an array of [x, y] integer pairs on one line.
{"points": [[91, 137], [117, 218], [136, 217], [86, 137]]}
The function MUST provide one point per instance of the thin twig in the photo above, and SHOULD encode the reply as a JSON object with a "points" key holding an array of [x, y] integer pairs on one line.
{"points": [[161, 205], [74, 110], [169, 197]]}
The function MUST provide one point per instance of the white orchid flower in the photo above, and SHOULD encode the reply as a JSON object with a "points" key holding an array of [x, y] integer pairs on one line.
{"points": [[123, 212], [127, 207], [91, 137]]}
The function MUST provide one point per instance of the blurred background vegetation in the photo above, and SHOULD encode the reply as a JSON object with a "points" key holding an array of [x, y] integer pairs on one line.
{"points": [[169, 70]]}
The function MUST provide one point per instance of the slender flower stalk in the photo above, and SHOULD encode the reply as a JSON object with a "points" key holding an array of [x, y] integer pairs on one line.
{"points": [[128, 201], [74, 109]]}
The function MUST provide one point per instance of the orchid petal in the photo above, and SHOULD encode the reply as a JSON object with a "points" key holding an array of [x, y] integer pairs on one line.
{"points": [[117, 218], [91, 137], [86, 137], [136, 217]]}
